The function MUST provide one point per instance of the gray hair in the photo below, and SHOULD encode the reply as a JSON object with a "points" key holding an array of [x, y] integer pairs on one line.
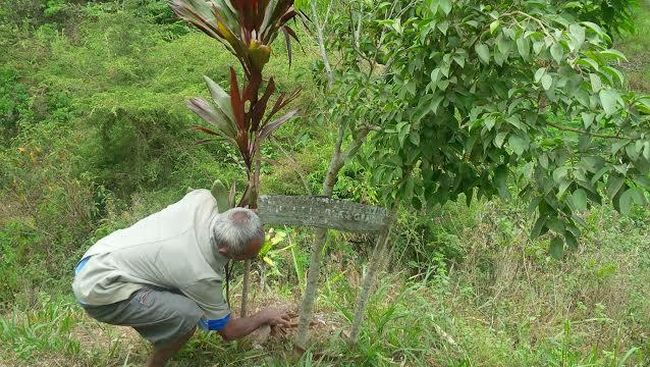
{"points": [[236, 228]]}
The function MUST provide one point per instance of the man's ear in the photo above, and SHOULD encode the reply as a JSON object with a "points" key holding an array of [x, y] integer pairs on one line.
{"points": [[223, 251]]}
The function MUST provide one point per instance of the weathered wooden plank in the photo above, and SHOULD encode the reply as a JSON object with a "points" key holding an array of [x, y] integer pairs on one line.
{"points": [[321, 212]]}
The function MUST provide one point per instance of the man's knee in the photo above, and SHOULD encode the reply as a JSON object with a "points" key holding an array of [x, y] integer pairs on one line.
{"points": [[178, 317]]}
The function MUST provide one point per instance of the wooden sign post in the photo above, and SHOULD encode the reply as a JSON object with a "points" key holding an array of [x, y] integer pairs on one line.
{"points": [[322, 212]]}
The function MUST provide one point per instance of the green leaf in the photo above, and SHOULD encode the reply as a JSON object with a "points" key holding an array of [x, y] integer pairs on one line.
{"points": [[543, 160], [614, 73], [592, 164], [556, 225], [547, 81], [403, 129], [523, 46], [615, 55], [518, 144], [494, 25], [556, 248], [626, 201], [557, 52], [489, 122], [445, 5], [589, 62], [614, 184], [596, 83], [570, 240], [443, 27], [630, 197], [559, 174], [220, 193], [500, 181], [587, 119], [500, 138], [539, 74], [579, 199], [397, 25], [503, 45], [633, 151], [538, 228], [608, 99], [414, 137], [577, 35], [460, 60], [483, 52]]}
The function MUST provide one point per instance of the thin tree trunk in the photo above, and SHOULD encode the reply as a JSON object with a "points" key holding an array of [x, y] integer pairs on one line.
{"points": [[245, 289], [253, 184], [307, 307], [338, 160], [336, 163], [375, 265]]}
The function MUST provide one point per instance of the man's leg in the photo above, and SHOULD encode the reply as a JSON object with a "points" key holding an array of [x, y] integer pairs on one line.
{"points": [[165, 318], [162, 354]]}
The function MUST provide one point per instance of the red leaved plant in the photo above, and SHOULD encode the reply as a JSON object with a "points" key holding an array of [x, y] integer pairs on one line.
{"points": [[247, 28]]}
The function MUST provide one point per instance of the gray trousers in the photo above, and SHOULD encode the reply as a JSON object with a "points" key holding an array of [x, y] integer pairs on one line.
{"points": [[160, 316]]}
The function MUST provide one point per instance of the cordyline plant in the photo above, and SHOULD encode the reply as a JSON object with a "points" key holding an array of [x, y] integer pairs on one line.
{"points": [[246, 28]]}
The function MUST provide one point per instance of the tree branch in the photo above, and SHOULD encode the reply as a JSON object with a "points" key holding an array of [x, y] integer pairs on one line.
{"points": [[578, 131], [321, 42]]}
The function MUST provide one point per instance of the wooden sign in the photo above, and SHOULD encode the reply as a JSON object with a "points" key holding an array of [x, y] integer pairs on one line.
{"points": [[321, 212]]}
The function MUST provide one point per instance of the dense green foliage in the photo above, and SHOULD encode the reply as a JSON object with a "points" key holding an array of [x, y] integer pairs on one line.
{"points": [[470, 95], [95, 135]]}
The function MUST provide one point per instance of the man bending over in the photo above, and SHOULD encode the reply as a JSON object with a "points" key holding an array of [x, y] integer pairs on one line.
{"points": [[163, 275]]}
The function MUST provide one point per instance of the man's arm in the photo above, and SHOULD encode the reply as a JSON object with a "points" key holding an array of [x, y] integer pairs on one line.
{"points": [[239, 328]]}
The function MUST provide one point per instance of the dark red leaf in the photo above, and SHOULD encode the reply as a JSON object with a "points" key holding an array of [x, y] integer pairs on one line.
{"points": [[288, 16], [206, 130], [283, 101], [292, 33], [252, 89], [271, 127], [259, 108], [204, 141], [277, 106], [236, 102], [287, 39]]}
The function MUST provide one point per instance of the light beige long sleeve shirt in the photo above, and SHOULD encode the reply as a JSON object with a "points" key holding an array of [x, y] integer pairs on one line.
{"points": [[170, 249]]}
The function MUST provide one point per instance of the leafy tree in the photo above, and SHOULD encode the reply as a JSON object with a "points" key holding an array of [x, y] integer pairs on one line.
{"points": [[615, 16], [345, 87], [490, 98], [247, 28]]}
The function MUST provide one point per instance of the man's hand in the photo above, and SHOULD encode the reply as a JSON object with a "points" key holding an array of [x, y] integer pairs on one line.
{"points": [[276, 317]]}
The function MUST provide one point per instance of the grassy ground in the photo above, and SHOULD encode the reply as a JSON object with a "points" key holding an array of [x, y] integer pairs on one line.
{"points": [[637, 48], [466, 288], [509, 304]]}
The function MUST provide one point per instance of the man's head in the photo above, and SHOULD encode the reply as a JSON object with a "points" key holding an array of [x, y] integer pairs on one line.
{"points": [[238, 234]]}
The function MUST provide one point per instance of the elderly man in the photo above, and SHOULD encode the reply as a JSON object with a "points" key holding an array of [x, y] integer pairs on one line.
{"points": [[163, 275]]}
